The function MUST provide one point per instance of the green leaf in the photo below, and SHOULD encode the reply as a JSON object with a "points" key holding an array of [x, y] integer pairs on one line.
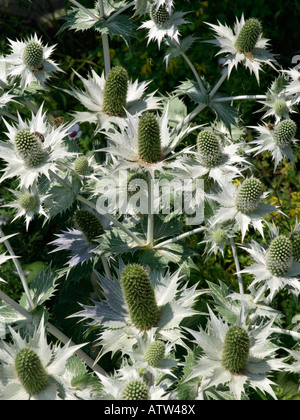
{"points": [[161, 258], [192, 90], [61, 198], [176, 49], [121, 26], [225, 112]]}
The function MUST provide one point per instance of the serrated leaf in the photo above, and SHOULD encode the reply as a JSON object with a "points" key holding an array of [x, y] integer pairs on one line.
{"points": [[61, 198], [162, 257], [175, 49], [225, 112], [8, 315], [121, 26], [164, 226], [192, 90], [116, 242]]}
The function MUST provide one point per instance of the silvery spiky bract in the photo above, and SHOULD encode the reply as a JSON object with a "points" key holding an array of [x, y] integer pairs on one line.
{"points": [[161, 26], [30, 158], [245, 206], [255, 369], [93, 98], [114, 315], [277, 139], [30, 60], [227, 38], [45, 366]]}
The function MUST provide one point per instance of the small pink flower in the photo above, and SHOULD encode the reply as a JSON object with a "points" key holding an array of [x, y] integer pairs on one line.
{"points": [[74, 132]]}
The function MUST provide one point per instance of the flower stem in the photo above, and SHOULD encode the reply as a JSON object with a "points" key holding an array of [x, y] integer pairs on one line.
{"points": [[87, 11], [150, 228], [105, 42], [19, 270], [54, 331], [218, 85], [121, 10], [237, 265], [178, 238], [239, 98], [106, 268]]}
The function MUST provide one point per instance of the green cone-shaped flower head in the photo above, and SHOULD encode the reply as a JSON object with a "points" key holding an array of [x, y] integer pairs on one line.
{"points": [[249, 195], [159, 16], [248, 36], [284, 132], [139, 296], [81, 165], [88, 224], [28, 201], [29, 148], [134, 182], [295, 238], [33, 55], [209, 148], [135, 390], [236, 349], [149, 138], [26, 142], [155, 353], [30, 371], [115, 92], [280, 255], [219, 236]]}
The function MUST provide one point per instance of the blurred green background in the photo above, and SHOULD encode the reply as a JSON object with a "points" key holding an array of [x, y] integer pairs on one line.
{"points": [[82, 51]]}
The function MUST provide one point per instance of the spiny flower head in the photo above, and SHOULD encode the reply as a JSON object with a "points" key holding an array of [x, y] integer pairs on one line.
{"points": [[209, 148], [115, 91], [155, 353], [220, 236], [28, 201], [33, 55], [284, 132], [29, 148], [88, 224], [160, 16], [248, 36], [236, 349], [295, 238], [139, 296], [149, 138], [280, 255], [280, 107], [30, 371], [81, 165], [249, 195], [135, 390]]}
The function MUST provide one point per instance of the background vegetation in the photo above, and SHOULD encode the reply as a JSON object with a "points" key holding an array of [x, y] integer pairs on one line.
{"points": [[83, 51]]}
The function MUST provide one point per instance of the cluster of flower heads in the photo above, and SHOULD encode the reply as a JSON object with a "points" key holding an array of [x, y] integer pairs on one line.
{"points": [[140, 308]]}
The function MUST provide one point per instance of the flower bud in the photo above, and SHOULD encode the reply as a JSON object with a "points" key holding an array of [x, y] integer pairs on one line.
{"points": [[159, 16], [30, 371], [135, 390], [284, 132], [209, 148], [155, 353], [236, 349], [139, 296], [280, 255], [149, 138], [88, 224], [33, 55], [248, 36], [81, 165], [28, 201], [249, 195], [115, 92]]}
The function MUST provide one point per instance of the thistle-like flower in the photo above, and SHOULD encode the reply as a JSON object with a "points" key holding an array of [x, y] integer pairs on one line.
{"points": [[163, 23], [30, 60], [236, 356], [135, 149], [293, 87], [216, 237], [275, 267], [222, 163], [31, 369], [243, 204], [107, 99], [244, 44], [28, 203], [33, 149], [120, 316], [277, 139], [129, 383]]}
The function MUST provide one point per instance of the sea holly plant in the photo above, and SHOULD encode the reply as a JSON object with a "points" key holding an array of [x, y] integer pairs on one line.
{"points": [[141, 194]]}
